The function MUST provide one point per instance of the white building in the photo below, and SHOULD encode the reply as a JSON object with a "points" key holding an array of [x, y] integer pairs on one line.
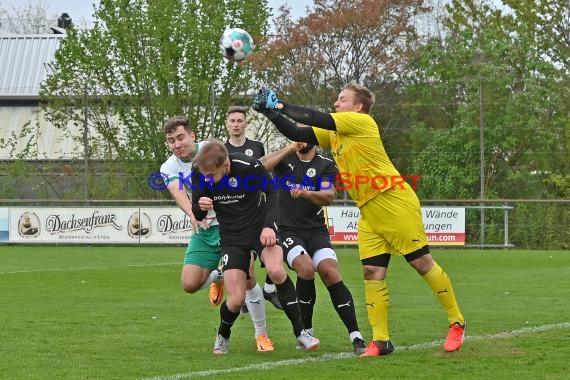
{"points": [[24, 133]]}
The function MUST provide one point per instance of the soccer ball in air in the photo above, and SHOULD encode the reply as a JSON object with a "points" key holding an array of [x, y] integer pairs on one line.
{"points": [[236, 44]]}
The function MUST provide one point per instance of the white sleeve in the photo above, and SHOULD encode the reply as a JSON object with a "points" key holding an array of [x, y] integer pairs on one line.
{"points": [[170, 168]]}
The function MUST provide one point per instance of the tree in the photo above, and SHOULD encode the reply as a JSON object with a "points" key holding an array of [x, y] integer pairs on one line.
{"points": [[488, 72], [145, 61], [31, 18], [547, 23], [367, 41]]}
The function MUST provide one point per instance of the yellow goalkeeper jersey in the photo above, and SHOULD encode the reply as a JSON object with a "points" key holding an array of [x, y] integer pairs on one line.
{"points": [[364, 167]]}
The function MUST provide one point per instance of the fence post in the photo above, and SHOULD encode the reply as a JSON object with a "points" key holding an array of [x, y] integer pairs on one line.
{"points": [[85, 149], [506, 223], [482, 159]]}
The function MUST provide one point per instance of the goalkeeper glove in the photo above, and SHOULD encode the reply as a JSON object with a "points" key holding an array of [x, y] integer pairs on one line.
{"points": [[266, 99]]}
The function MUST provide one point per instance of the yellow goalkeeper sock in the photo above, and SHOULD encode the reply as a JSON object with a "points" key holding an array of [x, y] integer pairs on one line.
{"points": [[377, 302], [440, 284]]}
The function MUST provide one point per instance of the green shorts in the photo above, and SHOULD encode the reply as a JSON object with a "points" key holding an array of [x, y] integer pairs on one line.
{"points": [[204, 248]]}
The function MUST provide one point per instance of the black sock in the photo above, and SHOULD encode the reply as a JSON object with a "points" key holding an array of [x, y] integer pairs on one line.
{"points": [[227, 319], [344, 305], [268, 280], [288, 299], [307, 295]]}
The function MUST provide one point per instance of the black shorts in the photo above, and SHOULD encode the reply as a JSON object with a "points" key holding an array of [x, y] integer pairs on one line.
{"points": [[312, 240], [239, 256]]}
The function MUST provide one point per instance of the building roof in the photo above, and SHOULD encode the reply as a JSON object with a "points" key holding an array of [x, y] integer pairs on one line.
{"points": [[23, 63]]}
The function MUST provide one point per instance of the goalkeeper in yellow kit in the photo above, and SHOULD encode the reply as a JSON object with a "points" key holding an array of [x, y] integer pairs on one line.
{"points": [[390, 216]]}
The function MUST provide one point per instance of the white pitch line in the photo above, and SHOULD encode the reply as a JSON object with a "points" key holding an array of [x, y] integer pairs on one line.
{"points": [[89, 268], [347, 355]]}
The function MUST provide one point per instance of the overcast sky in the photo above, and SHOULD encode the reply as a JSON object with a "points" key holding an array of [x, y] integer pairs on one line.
{"points": [[82, 10]]}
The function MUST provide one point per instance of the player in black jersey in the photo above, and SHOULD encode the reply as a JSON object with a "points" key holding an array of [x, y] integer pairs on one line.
{"points": [[306, 185], [234, 185], [236, 123]]}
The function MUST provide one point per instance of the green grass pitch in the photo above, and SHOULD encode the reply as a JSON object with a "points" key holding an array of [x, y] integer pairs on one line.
{"points": [[98, 312]]}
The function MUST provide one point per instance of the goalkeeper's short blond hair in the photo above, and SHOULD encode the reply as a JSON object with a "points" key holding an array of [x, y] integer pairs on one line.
{"points": [[362, 94]]}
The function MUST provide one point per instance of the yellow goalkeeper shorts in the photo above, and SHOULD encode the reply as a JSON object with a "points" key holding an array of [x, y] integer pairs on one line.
{"points": [[391, 222]]}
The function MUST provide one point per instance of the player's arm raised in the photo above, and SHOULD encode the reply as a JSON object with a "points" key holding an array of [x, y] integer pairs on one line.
{"points": [[267, 103], [271, 160]]}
